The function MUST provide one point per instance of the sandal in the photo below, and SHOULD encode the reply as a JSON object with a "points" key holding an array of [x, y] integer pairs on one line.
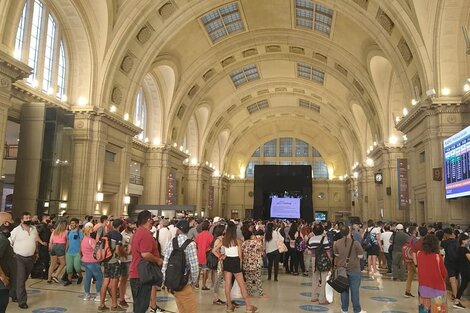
{"points": [[103, 308], [230, 308], [218, 302], [252, 310]]}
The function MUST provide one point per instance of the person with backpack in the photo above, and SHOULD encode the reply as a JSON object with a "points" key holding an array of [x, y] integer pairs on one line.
{"points": [[319, 247], [112, 266], [371, 243], [180, 266], [91, 265], [144, 246]]}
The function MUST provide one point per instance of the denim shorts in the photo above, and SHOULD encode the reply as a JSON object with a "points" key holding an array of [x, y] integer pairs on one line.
{"points": [[58, 249]]}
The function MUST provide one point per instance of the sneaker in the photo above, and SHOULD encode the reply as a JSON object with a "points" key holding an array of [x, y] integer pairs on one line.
{"points": [[408, 295], [118, 309], [157, 309], [55, 279], [205, 288], [79, 280], [97, 299], [87, 297], [458, 305]]}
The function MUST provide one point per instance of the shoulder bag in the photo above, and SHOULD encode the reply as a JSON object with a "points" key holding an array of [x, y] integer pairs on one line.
{"points": [[150, 273], [339, 278]]}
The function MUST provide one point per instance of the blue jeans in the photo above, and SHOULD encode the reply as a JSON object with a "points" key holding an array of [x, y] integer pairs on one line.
{"points": [[354, 284], [93, 269]]}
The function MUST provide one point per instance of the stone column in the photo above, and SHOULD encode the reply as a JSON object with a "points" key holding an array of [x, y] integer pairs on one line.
{"points": [[28, 166], [198, 176]]}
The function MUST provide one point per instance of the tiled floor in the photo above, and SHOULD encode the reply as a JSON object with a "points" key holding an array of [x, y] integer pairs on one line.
{"points": [[291, 294]]}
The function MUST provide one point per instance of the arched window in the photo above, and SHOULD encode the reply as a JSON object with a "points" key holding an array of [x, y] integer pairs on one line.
{"points": [[292, 151], [140, 114], [40, 43]]}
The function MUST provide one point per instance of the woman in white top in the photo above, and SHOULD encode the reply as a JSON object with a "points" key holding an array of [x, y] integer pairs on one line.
{"points": [[386, 237], [271, 237], [232, 266]]}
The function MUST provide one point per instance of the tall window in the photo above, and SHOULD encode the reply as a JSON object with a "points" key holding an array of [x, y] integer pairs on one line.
{"points": [[292, 151], [39, 43], [140, 114]]}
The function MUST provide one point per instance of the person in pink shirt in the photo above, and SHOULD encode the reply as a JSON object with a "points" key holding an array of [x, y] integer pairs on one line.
{"points": [[91, 265], [203, 242], [57, 249]]}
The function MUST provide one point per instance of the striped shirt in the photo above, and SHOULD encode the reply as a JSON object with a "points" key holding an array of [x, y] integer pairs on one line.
{"points": [[314, 243]]}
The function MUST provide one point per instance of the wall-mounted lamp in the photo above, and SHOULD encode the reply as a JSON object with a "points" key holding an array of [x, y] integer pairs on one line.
{"points": [[46, 204], [99, 196], [63, 205], [127, 200]]}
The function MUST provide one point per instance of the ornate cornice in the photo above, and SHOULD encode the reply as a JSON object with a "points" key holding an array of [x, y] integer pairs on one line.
{"points": [[169, 149], [111, 119], [12, 68], [429, 107], [380, 149], [26, 93]]}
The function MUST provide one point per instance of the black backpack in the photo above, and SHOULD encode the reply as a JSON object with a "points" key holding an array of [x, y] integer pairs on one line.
{"points": [[322, 260], [176, 277]]}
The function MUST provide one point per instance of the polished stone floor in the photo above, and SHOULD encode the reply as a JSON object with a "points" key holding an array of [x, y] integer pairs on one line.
{"points": [[290, 294]]}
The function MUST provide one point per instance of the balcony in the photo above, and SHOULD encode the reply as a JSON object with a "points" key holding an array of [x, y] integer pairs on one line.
{"points": [[11, 152]]}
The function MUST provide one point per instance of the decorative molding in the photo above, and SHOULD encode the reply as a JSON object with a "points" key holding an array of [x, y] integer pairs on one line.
{"points": [[12, 68], [111, 119]]}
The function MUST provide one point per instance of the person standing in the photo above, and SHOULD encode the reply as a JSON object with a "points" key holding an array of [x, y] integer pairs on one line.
{"points": [[126, 259], [449, 244], [386, 237], [185, 298], [72, 257], [6, 258], [252, 251], [203, 242], [432, 276], [353, 268], [409, 263], [398, 267], [374, 232], [143, 246], [112, 268], [463, 259], [57, 245], [271, 237], [91, 265], [317, 242], [24, 239], [44, 232]]}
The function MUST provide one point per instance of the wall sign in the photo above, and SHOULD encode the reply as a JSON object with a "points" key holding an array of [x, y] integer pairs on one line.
{"points": [[403, 192]]}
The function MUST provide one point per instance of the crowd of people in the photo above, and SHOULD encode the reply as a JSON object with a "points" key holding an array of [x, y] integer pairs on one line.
{"points": [[231, 254]]}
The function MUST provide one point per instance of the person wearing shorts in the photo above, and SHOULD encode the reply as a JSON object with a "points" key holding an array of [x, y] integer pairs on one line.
{"points": [[112, 269], [127, 234], [203, 241], [57, 250]]}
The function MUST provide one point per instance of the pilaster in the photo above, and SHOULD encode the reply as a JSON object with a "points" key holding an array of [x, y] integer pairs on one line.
{"points": [[199, 178]]}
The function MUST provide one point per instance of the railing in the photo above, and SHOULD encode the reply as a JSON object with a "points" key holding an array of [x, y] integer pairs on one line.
{"points": [[136, 180], [11, 152]]}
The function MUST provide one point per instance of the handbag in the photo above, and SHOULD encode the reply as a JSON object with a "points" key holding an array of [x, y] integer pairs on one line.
{"points": [[281, 246], [212, 260], [339, 278], [149, 273]]}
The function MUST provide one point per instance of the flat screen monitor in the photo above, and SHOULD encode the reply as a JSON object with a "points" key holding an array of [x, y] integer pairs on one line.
{"points": [[320, 216], [288, 208], [457, 164]]}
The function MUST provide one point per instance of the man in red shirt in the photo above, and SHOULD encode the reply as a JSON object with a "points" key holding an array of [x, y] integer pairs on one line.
{"points": [[203, 242], [143, 246]]}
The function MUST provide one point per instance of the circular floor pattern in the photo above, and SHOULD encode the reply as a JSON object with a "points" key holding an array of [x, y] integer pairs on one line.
{"points": [[50, 310], [306, 294], [370, 287], [384, 299], [306, 284], [313, 308]]}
